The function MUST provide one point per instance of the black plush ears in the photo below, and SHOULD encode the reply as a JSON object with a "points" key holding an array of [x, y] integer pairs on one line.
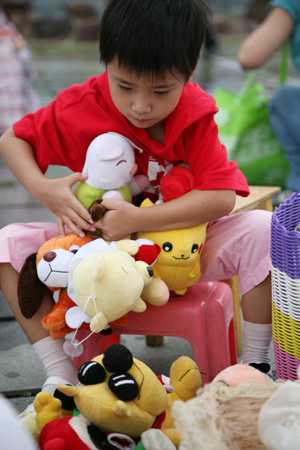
{"points": [[117, 358], [30, 288]]}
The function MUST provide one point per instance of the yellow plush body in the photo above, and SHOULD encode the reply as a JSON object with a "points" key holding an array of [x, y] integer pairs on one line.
{"points": [[178, 263], [185, 378]]}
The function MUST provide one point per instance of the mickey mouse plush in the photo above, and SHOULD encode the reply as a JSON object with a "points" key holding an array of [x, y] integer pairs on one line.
{"points": [[121, 402], [118, 399]]}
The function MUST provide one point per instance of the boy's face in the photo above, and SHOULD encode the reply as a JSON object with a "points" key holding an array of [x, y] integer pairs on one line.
{"points": [[144, 101]]}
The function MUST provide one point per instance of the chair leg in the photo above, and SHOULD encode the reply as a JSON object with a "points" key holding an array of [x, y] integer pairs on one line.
{"points": [[154, 341], [234, 285]]}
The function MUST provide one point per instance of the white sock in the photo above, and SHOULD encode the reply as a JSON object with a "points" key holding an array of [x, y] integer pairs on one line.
{"points": [[56, 362], [257, 340]]}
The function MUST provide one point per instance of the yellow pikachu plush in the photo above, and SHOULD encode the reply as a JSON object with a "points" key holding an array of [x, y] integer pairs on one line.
{"points": [[178, 263]]}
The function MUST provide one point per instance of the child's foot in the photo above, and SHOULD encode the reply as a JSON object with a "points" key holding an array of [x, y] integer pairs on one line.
{"points": [[51, 383], [262, 367], [265, 368]]}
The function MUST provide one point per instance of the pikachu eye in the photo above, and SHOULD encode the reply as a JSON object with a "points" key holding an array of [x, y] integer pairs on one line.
{"points": [[195, 248], [167, 246]]}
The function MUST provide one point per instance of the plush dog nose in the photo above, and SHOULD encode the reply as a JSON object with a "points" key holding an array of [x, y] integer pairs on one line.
{"points": [[49, 256]]}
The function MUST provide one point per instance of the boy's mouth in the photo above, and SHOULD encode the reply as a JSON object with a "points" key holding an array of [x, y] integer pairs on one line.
{"points": [[140, 120]]}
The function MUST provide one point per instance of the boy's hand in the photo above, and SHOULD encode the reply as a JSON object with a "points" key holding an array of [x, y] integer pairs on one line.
{"points": [[56, 195], [120, 221]]}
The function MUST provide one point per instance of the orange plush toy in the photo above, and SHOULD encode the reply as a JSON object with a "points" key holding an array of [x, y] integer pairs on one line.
{"points": [[31, 289]]}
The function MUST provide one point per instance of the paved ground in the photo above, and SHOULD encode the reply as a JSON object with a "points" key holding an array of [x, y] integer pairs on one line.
{"points": [[60, 64]]}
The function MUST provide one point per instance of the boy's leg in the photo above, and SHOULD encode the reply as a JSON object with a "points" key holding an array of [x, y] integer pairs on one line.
{"points": [[256, 308], [55, 361], [17, 241], [31, 327], [240, 245]]}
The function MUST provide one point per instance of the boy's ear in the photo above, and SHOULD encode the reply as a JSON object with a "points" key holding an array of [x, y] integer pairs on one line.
{"points": [[30, 288]]}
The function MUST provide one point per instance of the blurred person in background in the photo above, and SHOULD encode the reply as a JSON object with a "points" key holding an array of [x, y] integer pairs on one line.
{"points": [[18, 95], [282, 24]]}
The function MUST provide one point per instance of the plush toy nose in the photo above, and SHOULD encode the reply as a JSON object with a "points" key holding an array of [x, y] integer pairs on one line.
{"points": [[49, 256], [150, 271]]}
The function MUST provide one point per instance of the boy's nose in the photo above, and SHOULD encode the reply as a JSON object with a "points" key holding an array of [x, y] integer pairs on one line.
{"points": [[141, 106]]}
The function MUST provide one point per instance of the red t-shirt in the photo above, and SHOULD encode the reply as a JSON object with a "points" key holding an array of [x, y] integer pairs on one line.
{"points": [[61, 132]]}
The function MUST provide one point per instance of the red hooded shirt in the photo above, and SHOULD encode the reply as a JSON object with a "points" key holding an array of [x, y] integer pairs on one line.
{"points": [[61, 132]]}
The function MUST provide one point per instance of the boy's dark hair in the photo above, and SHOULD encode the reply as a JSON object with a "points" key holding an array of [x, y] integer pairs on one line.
{"points": [[152, 36]]}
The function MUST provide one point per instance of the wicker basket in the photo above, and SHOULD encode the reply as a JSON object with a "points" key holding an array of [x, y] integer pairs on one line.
{"points": [[285, 259]]}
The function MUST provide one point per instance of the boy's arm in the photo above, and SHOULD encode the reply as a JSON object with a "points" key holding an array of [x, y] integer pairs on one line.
{"points": [[268, 37], [191, 209], [55, 194]]}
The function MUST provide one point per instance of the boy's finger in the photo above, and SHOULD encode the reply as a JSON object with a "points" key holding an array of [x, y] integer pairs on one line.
{"points": [[73, 227], [61, 227], [75, 177]]}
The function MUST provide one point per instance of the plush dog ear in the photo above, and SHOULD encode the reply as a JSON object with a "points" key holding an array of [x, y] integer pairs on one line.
{"points": [[30, 288]]}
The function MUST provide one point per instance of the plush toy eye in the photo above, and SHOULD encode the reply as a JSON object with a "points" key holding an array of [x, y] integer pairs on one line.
{"points": [[167, 246], [195, 248], [91, 372], [117, 359], [124, 386], [74, 248]]}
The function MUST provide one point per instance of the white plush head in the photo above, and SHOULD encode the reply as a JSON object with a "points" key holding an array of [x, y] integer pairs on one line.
{"points": [[110, 162], [109, 283], [53, 268]]}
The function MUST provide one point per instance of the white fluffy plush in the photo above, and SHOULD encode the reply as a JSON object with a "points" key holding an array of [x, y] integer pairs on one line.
{"points": [[12, 435]]}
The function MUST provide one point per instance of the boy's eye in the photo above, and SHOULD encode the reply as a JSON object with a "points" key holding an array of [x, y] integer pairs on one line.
{"points": [[124, 88], [161, 92]]}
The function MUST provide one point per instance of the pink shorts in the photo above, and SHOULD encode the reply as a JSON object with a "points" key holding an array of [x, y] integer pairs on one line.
{"points": [[235, 245]]}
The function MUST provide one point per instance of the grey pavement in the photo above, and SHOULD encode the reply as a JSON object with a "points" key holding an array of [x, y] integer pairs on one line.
{"points": [[60, 64]]}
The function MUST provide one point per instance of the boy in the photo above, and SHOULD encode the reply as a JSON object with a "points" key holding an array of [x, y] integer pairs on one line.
{"points": [[150, 49]]}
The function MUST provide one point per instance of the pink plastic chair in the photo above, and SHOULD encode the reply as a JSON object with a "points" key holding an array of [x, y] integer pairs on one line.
{"points": [[203, 316]]}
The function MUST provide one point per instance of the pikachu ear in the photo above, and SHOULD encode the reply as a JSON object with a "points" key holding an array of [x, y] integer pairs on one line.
{"points": [[30, 288]]}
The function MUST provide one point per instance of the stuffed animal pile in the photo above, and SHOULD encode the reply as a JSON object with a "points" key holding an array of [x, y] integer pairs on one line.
{"points": [[118, 401], [99, 283]]}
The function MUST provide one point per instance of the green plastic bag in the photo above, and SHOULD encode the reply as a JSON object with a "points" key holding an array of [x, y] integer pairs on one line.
{"points": [[245, 130]]}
